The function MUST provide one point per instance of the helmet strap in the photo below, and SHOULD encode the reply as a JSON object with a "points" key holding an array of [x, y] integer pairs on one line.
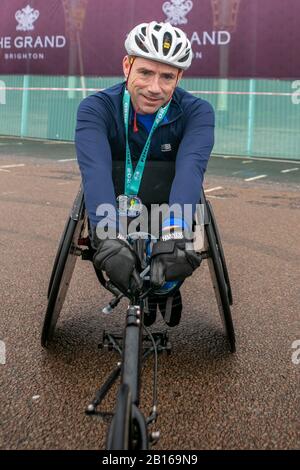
{"points": [[131, 60], [135, 126], [177, 79]]}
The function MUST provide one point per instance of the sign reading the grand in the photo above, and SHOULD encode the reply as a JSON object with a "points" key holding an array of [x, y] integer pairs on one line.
{"points": [[230, 38]]}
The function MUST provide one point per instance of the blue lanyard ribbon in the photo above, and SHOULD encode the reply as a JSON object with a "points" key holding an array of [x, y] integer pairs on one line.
{"points": [[133, 178]]}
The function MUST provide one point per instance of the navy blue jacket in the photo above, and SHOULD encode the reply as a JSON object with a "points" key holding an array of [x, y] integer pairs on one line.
{"points": [[100, 138]]}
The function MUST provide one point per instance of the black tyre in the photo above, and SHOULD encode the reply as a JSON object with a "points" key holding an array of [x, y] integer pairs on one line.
{"points": [[61, 243], [221, 251], [63, 268], [139, 431], [61, 280], [119, 433], [219, 284], [128, 429]]}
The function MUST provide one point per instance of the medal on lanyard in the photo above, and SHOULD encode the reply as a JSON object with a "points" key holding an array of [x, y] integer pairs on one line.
{"points": [[129, 206], [129, 203]]}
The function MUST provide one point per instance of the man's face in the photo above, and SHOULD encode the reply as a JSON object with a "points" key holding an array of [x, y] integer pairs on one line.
{"points": [[150, 84]]}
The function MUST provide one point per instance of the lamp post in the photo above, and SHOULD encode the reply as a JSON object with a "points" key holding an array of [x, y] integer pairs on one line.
{"points": [[225, 14], [75, 11]]}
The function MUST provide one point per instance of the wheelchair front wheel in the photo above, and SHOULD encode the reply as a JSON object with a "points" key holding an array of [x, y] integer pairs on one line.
{"points": [[119, 431], [128, 429]]}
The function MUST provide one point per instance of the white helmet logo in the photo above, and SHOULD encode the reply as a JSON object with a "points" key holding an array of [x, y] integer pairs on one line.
{"points": [[26, 17], [176, 10]]}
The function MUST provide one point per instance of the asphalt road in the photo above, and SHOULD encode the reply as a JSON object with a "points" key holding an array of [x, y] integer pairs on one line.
{"points": [[208, 398]]}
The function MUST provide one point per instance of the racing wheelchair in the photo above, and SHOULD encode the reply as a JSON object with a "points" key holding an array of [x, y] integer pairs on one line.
{"points": [[129, 429]]}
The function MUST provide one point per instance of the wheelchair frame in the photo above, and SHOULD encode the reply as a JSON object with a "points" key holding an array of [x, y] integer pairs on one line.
{"points": [[129, 428]]}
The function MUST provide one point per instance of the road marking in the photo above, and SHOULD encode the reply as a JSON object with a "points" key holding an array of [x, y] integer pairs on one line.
{"points": [[247, 161], [213, 189], [12, 166], [215, 197], [255, 178], [6, 171], [2, 353], [290, 169], [67, 160]]}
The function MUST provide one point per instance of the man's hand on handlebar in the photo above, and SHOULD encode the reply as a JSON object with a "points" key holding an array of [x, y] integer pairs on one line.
{"points": [[119, 261], [173, 258]]}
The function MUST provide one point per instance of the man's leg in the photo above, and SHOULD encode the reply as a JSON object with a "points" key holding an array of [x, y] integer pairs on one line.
{"points": [[171, 308]]}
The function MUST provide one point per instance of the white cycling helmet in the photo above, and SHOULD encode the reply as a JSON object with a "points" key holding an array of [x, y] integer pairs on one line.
{"points": [[161, 42]]}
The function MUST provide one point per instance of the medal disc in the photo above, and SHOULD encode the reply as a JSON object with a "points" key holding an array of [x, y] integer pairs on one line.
{"points": [[130, 206]]}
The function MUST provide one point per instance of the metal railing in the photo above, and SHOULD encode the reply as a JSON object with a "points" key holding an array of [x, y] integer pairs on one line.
{"points": [[253, 117]]}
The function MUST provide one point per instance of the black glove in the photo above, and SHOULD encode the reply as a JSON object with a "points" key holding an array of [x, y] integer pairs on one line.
{"points": [[171, 260], [119, 261]]}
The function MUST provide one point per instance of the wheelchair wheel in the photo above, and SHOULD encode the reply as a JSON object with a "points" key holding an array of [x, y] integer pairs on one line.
{"points": [[63, 268], [220, 285], [221, 251], [61, 243], [128, 429], [119, 432]]}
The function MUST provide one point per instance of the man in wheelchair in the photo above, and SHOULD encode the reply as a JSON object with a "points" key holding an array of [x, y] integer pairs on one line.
{"points": [[145, 121]]}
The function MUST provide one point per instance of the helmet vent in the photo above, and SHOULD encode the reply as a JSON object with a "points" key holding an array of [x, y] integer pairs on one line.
{"points": [[140, 44], [155, 43], [183, 59], [167, 42], [177, 48], [157, 27]]}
